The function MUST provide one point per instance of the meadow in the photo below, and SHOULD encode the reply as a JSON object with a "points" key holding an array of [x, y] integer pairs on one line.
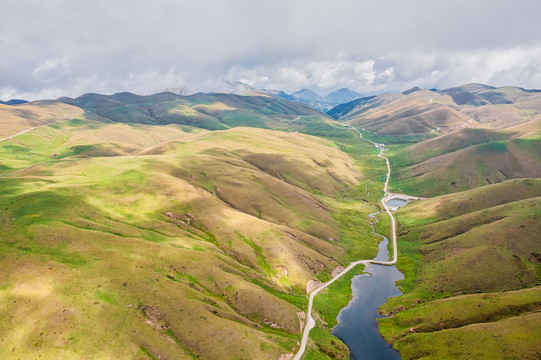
{"points": [[472, 275], [180, 227], [146, 241]]}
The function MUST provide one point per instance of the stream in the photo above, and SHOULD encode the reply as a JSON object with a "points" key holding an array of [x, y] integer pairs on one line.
{"points": [[357, 322]]}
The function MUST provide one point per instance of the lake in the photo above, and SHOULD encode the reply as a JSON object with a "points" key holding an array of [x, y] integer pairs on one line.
{"points": [[357, 323]]}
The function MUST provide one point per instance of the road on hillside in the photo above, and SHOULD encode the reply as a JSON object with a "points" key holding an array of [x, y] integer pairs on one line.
{"points": [[32, 128], [310, 322]]}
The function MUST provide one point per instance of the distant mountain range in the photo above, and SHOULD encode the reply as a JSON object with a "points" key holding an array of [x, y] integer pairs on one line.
{"points": [[421, 111], [211, 111], [319, 102], [305, 96], [13, 102]]}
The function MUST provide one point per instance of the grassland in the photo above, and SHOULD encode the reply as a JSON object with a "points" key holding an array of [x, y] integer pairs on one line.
{"points": [[455, 139], [206, 111], [466, 159], [155, 227], [447, 143], [419, 112], [141, 241], [467, 168], [482, 242], [322, 344], [469, 253], [404, 115], [16, 118]]}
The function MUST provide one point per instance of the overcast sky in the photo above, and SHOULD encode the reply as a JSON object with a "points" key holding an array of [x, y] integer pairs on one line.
{"points": [[59, 48]]}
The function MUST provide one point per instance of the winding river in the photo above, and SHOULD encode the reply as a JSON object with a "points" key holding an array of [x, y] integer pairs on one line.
{"points": [[382, 284], [357, 323]]}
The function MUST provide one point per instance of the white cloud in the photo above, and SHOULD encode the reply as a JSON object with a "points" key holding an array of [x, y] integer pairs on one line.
{"points": [[71, 47], [59, 65], [515, 66]]}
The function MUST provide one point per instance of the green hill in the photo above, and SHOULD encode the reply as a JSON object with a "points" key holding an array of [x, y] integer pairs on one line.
{"points": [[448, 206], [134, 241], [413, 116], [470, 253], [183, 227], [467, 168], [444, 144], [483, 242], [20, 117], [207, 111]]}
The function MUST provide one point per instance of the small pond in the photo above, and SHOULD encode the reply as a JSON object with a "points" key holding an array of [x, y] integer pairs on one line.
{"points": [[396, 203]]}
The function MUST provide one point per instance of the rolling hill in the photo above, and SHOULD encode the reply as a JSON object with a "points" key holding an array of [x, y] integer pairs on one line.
{"points": [[170, 226], [470, 252], [433, 112], [207, 111], [470, 167], [20, 117], [483, 242], [440, 146], [116, 235]]}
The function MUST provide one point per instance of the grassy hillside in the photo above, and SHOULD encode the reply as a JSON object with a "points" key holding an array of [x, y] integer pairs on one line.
{"points": [[506, 235], [140, 241], [508, 106], [19, 117], [207, 111], [171, 226], [466, 168], [444, 144], [480, 326], [471, 253], [453, 205], [412, 120], [415, 112], [404, 114], [483, 242]]}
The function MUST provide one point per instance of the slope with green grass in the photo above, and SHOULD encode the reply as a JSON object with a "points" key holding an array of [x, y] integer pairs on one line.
{"points": [[138, 233], [466, 168], [445, 144], [207, 111], [21, 117], [417, 114], [479, 234], [483, 242], [141, 241]]}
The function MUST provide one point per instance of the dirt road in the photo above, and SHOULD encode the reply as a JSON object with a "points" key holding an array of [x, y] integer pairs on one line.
{"points": [[310, 322]]}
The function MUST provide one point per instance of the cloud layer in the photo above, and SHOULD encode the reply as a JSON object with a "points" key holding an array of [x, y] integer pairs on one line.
{"points": [[61, 47]]}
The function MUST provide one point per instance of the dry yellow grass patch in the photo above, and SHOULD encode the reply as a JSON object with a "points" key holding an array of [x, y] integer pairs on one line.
{"points": [[15, 118]]}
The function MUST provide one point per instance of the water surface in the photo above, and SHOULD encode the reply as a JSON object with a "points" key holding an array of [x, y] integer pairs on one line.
{"points": [[357, 323], [396, 203]]}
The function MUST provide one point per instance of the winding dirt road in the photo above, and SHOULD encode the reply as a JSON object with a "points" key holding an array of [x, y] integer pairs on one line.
{"points": [[33, 128], [310, 322]]}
